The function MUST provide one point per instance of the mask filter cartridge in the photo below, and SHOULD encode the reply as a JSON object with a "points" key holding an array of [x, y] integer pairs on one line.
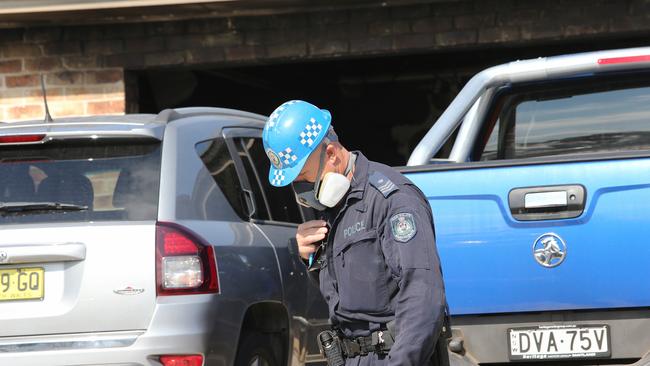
{"points": [[332, 189]]}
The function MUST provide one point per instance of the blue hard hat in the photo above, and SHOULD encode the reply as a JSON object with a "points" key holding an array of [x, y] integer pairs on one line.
{"points": [[292, 132]]}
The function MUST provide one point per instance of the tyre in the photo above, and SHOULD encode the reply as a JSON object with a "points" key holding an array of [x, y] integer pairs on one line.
{"points": [[256, 349]]}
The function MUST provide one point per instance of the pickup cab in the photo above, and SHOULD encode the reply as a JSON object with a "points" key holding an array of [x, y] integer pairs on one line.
{"points": [[538, 175]]}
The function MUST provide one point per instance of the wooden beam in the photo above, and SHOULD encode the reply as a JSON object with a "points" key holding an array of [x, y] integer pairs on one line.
{"points": [[17, 16]]}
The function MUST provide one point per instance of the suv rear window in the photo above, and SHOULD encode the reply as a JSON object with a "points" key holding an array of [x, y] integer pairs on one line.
{"points": [[113, 180], [221, 166], [571, 117]]}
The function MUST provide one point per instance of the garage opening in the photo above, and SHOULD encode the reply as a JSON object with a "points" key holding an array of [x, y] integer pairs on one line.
{"points": [[380, 105]]}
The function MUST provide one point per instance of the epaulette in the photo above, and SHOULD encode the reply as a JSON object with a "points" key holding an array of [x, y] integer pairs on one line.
{"points": [[382, 183]]}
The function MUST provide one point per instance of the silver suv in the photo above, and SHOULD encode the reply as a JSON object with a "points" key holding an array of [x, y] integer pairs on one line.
{"points": [[150, 240]]}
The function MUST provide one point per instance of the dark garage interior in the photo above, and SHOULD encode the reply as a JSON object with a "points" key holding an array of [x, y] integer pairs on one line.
{"points": [[381, 105]]}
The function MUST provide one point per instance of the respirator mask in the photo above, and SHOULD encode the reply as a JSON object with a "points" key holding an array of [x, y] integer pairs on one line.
{"points": [[327, 192]]}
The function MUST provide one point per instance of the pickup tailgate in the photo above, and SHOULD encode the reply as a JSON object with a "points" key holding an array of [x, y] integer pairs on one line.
{"points": [[489, 258]]}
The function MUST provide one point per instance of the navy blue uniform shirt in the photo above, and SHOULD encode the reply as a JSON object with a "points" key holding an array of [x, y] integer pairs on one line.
{"points": [[381, 264]]}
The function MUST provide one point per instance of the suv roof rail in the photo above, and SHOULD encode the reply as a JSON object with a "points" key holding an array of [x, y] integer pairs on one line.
{"points": [[170, 115]]}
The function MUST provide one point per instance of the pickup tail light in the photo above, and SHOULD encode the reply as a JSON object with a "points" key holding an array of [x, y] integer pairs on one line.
{"points": [[624, 60], [182, 360], [21, 139], [185, 264]]}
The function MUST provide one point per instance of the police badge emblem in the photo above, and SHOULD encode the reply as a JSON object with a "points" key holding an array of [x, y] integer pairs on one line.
{"points": [[403, 227], [275, 160]]}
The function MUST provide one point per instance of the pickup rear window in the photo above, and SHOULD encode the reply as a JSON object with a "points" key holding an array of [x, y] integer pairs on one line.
{"points": [[102, 181], [571, 117]]}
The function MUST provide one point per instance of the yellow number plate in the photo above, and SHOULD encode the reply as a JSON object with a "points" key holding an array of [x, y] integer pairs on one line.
{"points": [[21, 284]]}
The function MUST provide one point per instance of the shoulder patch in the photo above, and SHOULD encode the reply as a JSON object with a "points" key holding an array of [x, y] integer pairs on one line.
{"points": [[382, 183], [403, 226]]}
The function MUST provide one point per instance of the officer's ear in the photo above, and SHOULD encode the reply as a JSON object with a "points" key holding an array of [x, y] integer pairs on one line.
{"points": [[331, 152]]}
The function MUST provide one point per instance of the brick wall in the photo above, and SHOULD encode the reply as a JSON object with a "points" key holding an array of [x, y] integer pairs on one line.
{"points": [[76, 83], [83, 65]]}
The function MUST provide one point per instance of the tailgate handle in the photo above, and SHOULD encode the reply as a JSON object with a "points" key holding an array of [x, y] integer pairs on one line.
{"points": [[40, 253], [547, 202]]}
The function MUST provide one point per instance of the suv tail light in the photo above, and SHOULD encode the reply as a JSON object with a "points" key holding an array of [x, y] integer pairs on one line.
{"points": [[21, 139], [188, 360], [185, 264]]}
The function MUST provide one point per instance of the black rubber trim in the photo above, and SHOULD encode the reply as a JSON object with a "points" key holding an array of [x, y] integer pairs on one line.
{"points": [[563, 159]]}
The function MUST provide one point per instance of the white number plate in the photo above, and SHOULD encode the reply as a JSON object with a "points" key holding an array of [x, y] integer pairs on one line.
{"points": [[559, 342]]}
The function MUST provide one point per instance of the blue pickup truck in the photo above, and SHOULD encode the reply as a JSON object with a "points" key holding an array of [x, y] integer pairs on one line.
{"points": [[538, 174]]}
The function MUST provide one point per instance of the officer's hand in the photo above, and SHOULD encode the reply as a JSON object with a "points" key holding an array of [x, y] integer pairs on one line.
{"points": [[308, 235]]}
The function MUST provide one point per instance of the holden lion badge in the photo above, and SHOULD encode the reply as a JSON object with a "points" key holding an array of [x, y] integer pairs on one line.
{"points": [[549, 250]]}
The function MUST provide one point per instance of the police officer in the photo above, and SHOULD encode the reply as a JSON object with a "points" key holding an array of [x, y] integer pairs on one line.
{"points": [[374, 247]]}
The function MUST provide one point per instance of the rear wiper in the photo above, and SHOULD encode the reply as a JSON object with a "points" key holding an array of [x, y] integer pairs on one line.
{"points": [[21, 207]]}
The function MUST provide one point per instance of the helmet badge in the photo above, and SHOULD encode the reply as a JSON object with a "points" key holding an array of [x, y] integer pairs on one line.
{"points": [[273, 157]]}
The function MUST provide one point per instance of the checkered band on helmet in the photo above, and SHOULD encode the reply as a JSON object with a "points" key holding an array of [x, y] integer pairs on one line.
{"points": [[311, 132], [278, 178], [287, 156]]}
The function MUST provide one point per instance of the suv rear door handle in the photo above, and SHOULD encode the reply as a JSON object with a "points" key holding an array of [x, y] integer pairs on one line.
{"points": [[39, 253], [547, 202]]}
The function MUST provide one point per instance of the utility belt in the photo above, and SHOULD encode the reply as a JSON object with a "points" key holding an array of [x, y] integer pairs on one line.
{"points": [[378, 342], [336, 347]]}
